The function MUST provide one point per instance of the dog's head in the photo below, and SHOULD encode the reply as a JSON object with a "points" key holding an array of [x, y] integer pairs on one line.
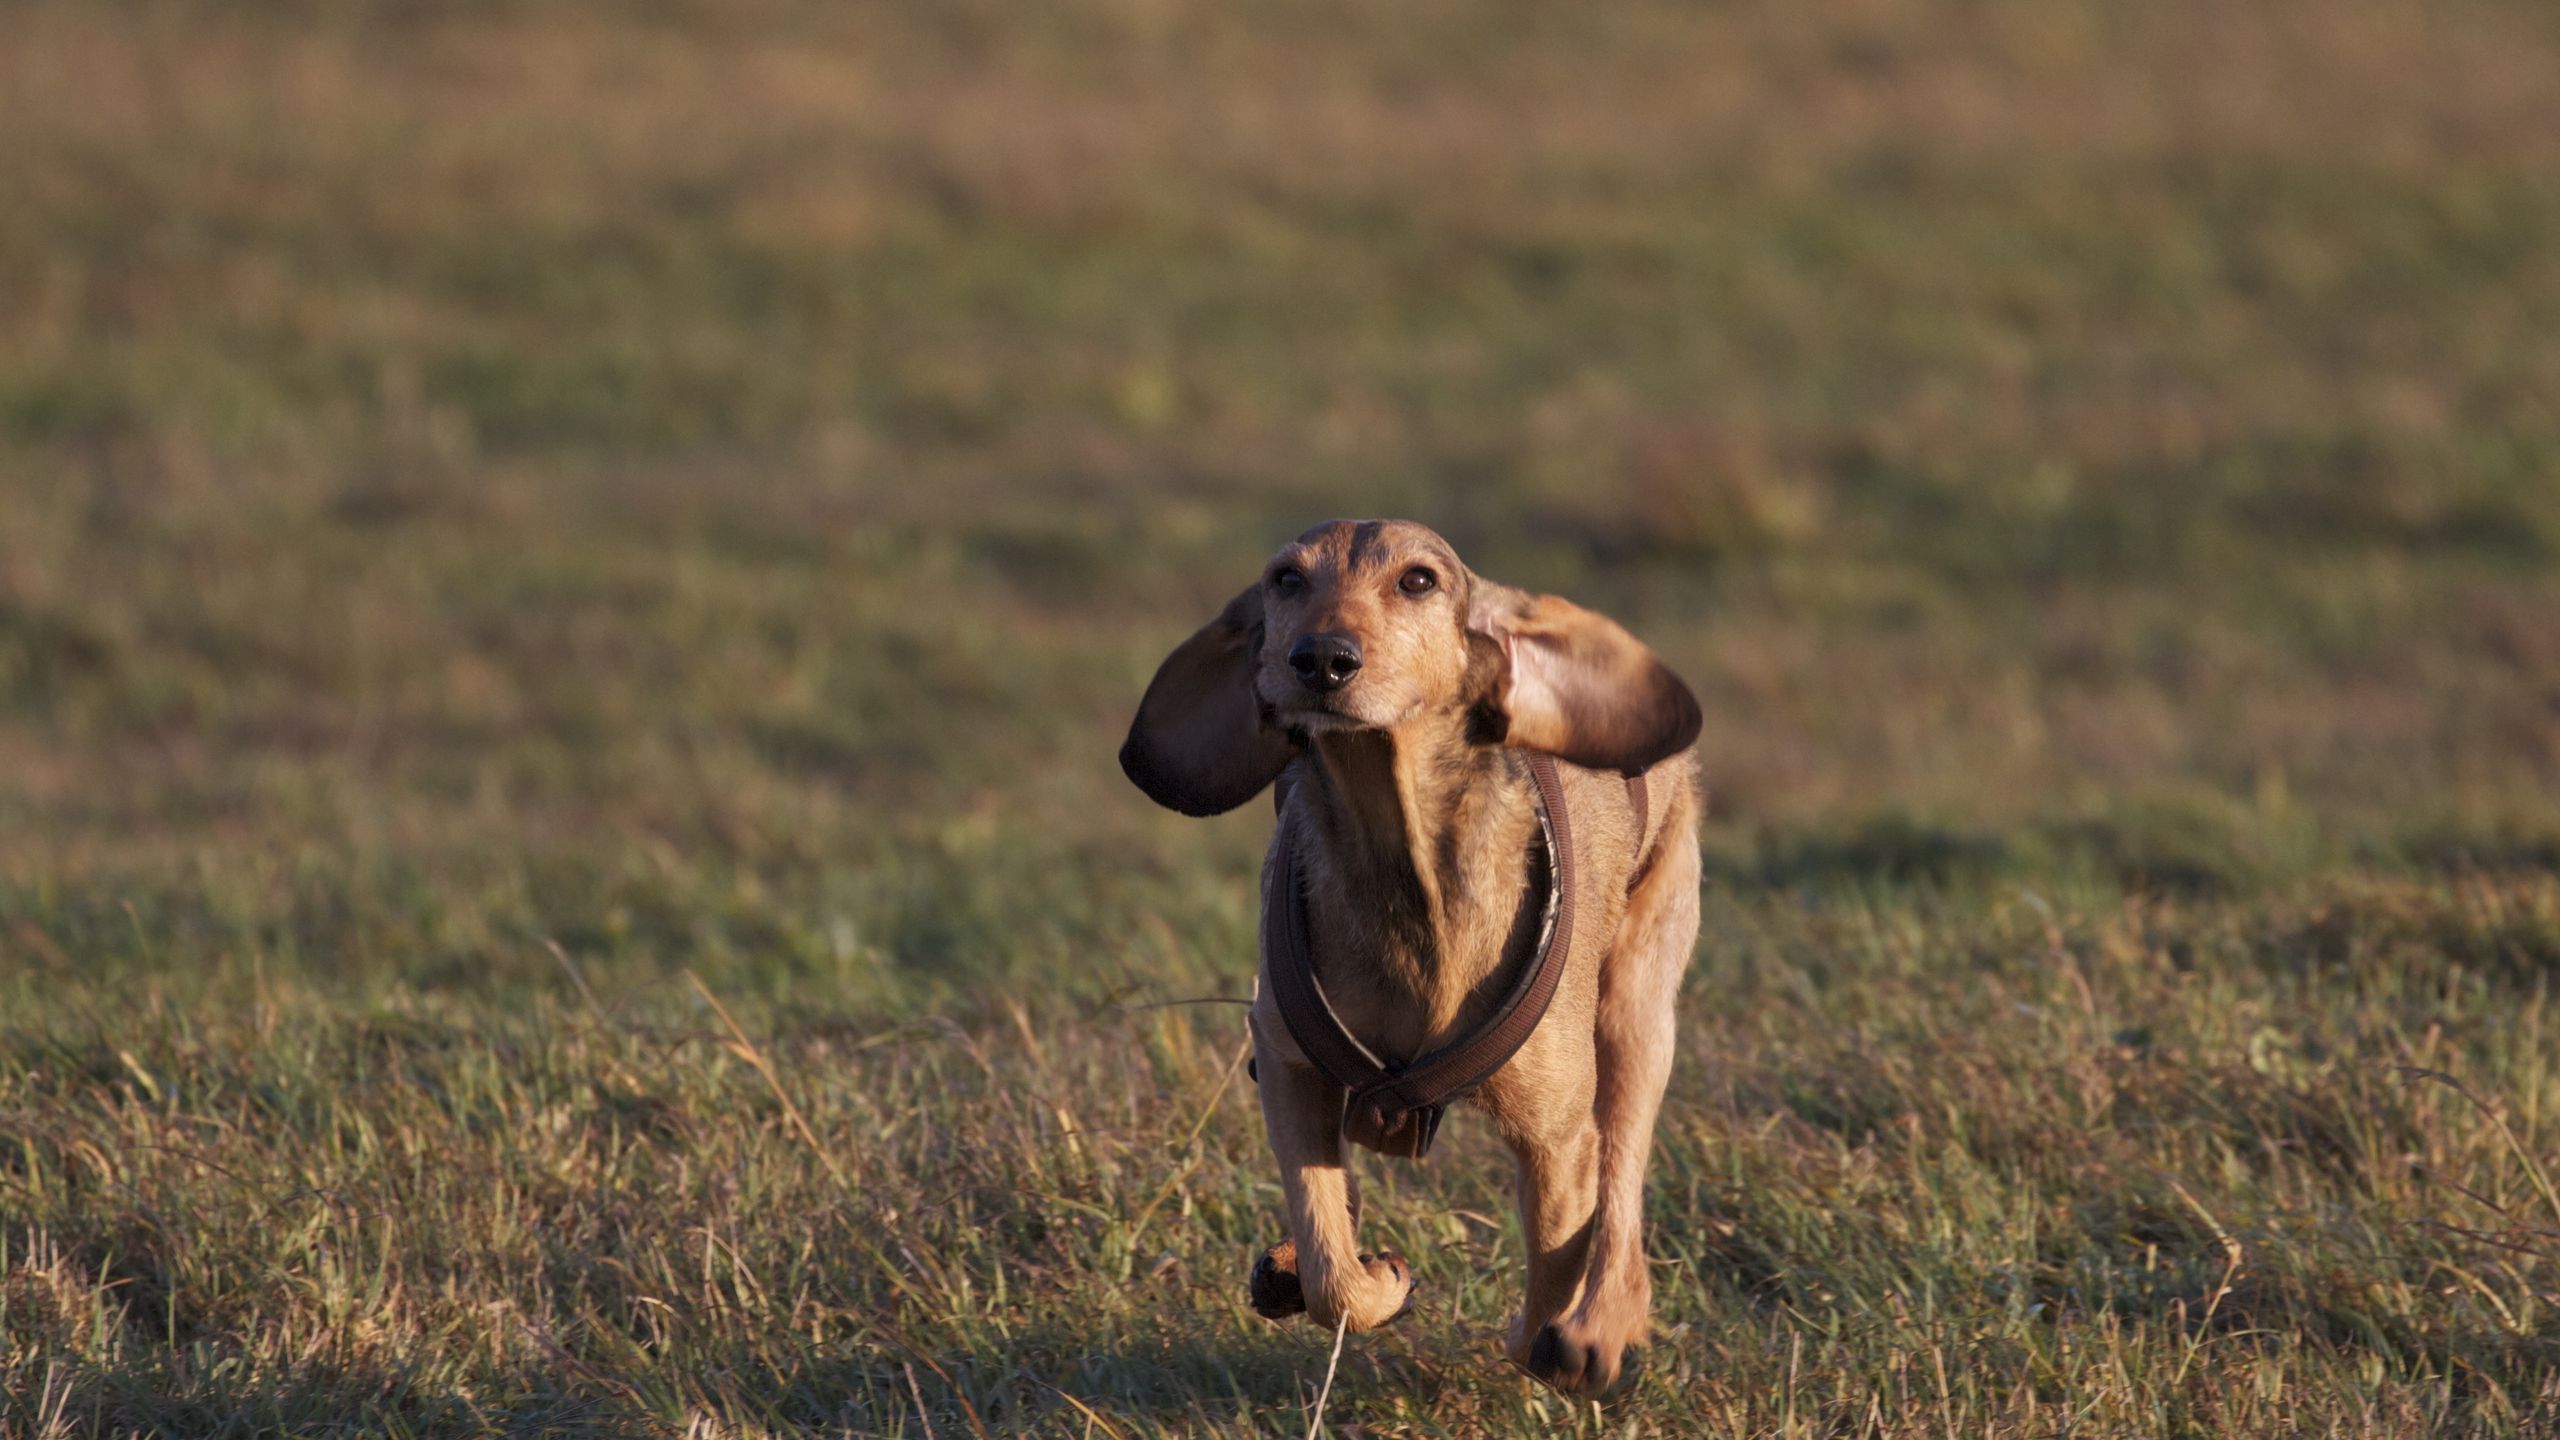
{"points": [[1376, 624]]}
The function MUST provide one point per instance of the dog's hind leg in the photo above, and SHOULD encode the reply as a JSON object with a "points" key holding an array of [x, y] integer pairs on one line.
{"points": [[1595, 1350], [1302, 1111]]}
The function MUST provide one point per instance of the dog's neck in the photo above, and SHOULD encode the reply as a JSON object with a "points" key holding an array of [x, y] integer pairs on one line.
{"points": [[1422, 842]]}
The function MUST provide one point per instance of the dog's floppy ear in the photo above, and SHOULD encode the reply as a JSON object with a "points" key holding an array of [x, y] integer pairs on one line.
{"points": [[1553, 676], [1199, 744]]}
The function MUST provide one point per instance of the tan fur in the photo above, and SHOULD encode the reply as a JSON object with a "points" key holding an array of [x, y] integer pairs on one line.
{"points": [[1411, 813]]}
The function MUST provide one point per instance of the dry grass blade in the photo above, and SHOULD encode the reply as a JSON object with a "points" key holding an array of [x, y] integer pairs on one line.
{"points": [[747, 1050], [2532, 1165], [1324, 1392]]}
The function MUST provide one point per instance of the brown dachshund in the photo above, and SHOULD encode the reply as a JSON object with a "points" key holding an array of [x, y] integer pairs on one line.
{"points": [[1406, 706]]}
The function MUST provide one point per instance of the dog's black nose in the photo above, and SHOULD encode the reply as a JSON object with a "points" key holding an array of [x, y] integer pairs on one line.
{"points": [[1325, 662]]}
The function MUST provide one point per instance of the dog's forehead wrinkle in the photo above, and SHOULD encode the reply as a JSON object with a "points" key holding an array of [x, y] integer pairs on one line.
{"points": [[1332, 536], [1366, 544], [1364, 538]]}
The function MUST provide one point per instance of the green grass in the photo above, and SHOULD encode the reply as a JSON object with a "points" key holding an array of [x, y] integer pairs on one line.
{"points": [[504, 507]]}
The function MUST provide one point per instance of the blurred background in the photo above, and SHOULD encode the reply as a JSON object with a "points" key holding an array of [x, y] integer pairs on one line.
{"points": [[552, 462], [702, 485], [673, 471]]}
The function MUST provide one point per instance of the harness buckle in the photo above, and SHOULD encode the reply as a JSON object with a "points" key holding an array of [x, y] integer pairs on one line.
{"points": [[1399, 1133]]}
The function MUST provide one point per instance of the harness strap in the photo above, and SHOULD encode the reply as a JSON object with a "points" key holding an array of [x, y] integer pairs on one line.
{"points": [[1395, 1107]]}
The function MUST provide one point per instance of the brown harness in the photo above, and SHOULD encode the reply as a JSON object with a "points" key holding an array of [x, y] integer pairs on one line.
{"points": [[1394, 1107]]}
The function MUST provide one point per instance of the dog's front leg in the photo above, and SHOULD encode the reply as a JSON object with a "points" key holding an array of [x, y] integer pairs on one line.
{"points": [[1302, 1111], [1555, 1191]]}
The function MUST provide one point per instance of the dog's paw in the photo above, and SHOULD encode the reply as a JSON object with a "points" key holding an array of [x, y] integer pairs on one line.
{"points": [[1274, 1286], [1586, 1370], [1388, 1265], [1277, 1293]]}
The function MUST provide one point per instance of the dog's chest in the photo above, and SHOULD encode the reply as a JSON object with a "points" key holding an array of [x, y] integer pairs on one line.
{"points": [[1403, 977]]}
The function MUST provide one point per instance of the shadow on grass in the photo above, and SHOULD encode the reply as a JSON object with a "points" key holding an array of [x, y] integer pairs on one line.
{"points": [[1162, 1379], [2447, 850], [2160, 849], [170, 1393], [1890, 850]]}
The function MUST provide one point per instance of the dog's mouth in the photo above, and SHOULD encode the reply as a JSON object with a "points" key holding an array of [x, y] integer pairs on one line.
{"points": [[1313, 715], [1320, 722]]}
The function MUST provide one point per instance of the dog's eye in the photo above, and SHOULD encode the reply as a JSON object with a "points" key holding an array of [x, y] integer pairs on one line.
{"points": [[1418, 581], [1289, 580]]}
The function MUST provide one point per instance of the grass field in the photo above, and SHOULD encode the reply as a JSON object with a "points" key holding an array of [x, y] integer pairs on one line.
{"points": [[570, 576]]}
